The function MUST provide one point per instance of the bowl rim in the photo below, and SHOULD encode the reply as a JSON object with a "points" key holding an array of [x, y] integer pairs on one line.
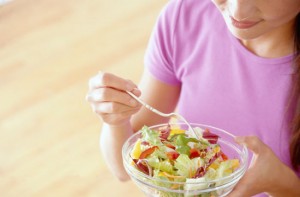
{"points": [[236, 174]]}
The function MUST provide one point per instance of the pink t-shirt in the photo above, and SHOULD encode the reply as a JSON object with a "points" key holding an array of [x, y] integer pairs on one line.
{"points": [[223, 84]]}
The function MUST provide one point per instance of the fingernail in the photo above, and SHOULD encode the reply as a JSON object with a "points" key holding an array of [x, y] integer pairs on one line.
{"points": [[133, 102], [136, 91], [129, 87]]}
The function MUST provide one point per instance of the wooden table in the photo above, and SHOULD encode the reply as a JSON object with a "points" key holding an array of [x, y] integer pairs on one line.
{"points": [[48, 51]]}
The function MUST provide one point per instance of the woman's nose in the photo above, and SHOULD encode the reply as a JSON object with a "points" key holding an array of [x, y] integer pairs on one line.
{"points": [[241, 9]]}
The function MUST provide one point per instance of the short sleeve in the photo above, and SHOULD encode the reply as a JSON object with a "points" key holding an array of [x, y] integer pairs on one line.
{"points": [[159, 58]]}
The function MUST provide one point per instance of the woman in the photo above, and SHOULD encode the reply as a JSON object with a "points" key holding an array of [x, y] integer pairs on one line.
{"points": [[233, 64]]}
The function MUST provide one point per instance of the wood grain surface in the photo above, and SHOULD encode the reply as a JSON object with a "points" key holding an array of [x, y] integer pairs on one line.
{"points": [[48, 51]]}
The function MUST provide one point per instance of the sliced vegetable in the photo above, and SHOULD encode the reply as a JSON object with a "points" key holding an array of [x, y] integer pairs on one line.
{"points": [[211, 137], [147, 152], [136, 151], [165, 132], [142, 166], [194, 152], [172, 155]]}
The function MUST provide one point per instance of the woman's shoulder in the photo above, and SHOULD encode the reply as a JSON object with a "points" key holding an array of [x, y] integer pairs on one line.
{"points": [[190, 14], [189, 7], [191, 4]]}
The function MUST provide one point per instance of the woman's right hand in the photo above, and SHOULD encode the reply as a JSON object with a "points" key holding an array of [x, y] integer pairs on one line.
{"points": [[109, 100]]}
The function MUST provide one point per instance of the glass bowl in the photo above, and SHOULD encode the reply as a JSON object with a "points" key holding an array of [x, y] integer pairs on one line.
{"points": [[153, 187]]}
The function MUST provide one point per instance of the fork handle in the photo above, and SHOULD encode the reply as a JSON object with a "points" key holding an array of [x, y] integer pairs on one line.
{"points": [[148, 106]]}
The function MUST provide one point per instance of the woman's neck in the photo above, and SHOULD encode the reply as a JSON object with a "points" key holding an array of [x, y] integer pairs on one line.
{"points": [[274, 44]]}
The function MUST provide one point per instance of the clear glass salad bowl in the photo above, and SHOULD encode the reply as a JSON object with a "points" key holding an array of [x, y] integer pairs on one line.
{"points": [[222, 186]]}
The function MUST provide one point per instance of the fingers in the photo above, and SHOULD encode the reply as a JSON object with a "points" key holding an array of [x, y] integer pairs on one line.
{"points": [[109, 100], [111, 95], [237, 192], [117, 118], [103, 79], [252, 142], [242, 189], [112, 108]]}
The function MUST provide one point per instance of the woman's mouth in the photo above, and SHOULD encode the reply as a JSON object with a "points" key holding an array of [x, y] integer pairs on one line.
{"points": [[243, 24]]}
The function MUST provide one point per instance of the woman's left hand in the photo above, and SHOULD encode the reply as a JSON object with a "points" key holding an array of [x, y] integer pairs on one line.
{"points": [[266, 173]]}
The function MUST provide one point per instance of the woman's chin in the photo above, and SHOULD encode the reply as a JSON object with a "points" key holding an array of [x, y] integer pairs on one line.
{"points": [[244, 34]]}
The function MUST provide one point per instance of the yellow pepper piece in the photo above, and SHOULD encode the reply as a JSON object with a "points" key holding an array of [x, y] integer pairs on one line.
{"points": [[175, 131], [161, 174], [235, 163], [136, 151], [217, 149], [214, 165]]}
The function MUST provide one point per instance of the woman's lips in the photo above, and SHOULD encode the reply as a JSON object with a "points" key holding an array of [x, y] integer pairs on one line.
{"points": [[243, 24]]}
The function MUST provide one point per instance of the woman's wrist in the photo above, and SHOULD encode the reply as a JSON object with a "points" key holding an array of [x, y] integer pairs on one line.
{"points": [[119, 125], [120, 131], [287, 185], [123, 125]]}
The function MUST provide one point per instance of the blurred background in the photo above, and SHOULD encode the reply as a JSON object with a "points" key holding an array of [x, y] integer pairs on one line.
{"points": [[48, 51]]}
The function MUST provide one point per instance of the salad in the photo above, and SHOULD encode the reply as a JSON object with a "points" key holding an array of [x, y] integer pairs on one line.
{"points": [[174, 155]]}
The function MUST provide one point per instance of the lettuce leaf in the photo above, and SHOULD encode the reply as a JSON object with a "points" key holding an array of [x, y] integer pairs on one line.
{"points": [[151, 136], [164, 166], [185, 166]]}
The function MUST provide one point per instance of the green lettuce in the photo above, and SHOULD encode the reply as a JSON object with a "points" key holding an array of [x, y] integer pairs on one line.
{"points": [[151, 136]]}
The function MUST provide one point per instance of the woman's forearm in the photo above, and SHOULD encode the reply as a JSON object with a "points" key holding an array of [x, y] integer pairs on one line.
{"points": [[111, 141]]}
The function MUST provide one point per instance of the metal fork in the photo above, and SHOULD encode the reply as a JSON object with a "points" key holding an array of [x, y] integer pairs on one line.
{"points": [[173, 114]]}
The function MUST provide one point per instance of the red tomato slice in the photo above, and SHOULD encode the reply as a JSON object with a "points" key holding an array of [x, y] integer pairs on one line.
{"points": [[173, 155], [194, 153], [224, 157]]}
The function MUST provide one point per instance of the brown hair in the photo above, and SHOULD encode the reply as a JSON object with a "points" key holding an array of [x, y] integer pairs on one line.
{"points": [[295, 138]]}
